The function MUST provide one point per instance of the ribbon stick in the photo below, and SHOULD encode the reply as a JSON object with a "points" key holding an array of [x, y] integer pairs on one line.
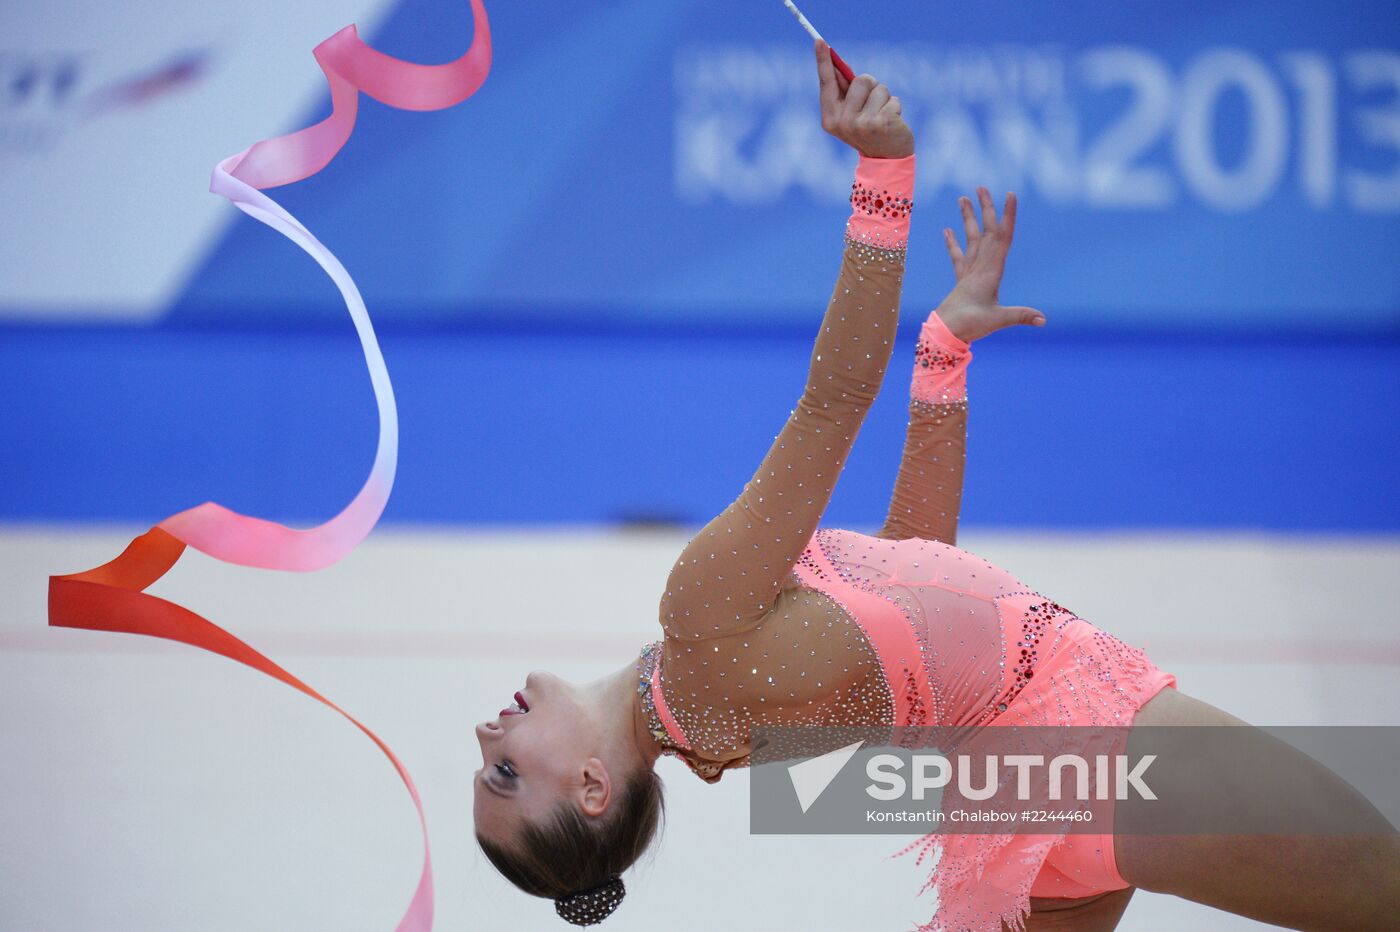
{"points": [[836, 60], [112, 597]]}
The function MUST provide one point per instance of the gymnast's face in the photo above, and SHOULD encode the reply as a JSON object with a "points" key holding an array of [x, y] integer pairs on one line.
{"points": [[540, 751]]}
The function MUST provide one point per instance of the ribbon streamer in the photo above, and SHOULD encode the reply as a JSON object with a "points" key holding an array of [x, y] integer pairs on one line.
{"points": [[112, 597]]}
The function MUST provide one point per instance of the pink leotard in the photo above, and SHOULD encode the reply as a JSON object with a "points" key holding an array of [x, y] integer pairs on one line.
{"points": [[770, 620]]}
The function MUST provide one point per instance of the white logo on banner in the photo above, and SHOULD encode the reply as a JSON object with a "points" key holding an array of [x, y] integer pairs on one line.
{"points": [[1015, 117]]}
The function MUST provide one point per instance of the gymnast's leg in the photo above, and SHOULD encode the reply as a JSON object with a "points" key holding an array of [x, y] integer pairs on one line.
{"points": [[1087, 914], [1344, 882]]}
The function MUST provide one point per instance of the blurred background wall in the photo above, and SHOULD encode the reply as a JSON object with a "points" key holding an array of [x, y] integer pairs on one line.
{"points": [[598, 281]]}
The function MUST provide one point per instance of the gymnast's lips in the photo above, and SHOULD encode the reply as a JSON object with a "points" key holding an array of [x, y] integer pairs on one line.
{"points": [[520, 707]]}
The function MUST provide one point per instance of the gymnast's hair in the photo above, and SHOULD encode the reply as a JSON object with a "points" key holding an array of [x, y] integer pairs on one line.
{"points": [[577, 861]]}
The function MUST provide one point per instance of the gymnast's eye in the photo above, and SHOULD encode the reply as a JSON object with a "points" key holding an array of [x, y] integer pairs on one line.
{"points": [[506, 770]]}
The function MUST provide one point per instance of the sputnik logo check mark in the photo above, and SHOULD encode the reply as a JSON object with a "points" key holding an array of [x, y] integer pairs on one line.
{"points": [[811, 777]]}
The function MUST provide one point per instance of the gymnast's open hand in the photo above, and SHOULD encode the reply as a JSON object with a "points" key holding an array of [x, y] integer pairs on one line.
{"points": [[862, 114], [971, 310]]}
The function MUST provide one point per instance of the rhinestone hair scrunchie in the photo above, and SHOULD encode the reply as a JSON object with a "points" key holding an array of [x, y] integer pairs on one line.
{"points": [[590, 907]]}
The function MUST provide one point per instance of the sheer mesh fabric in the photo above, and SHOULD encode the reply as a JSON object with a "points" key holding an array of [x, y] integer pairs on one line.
{"points": [[950, 599]]}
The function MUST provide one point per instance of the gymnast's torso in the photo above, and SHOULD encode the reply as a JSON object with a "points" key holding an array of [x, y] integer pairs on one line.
{"points": [[875, 632]]}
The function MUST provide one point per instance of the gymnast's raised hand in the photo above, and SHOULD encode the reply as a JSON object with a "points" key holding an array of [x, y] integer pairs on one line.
{"points": [[863, 114], [971, 310]]}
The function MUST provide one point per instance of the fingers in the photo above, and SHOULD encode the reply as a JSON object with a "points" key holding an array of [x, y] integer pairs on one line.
{"points": [[877, 100], [989, 210], [826, 74], [865, 115], [954, 250], [970, 228], [990, 225], [1022, 315], [857, 94]]}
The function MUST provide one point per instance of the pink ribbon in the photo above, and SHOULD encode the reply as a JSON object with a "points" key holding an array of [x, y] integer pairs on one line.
{"points": [[111, 597]]}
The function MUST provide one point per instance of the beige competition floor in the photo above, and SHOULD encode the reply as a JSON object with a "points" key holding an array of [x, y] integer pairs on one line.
{"points": [[146, 786]]}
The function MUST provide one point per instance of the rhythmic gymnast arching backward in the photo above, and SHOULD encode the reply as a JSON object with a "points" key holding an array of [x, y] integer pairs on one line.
{"points": [[769, 620]]}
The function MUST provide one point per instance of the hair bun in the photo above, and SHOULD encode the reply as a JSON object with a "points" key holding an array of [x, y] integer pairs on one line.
{"points": [[590, 907]]}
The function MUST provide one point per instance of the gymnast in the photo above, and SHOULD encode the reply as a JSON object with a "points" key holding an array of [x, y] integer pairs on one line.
{"points": [[769, 620]]}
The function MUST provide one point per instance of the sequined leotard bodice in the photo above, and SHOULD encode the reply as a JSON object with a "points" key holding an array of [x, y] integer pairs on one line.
{"points": [[936, 613], [771, 621]]}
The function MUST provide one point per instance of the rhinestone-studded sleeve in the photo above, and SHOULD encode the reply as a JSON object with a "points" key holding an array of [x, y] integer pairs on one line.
{"points": [[927, 494], [730, 574]]}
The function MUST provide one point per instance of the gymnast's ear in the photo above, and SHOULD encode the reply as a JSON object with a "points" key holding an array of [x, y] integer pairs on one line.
{"points": [[595, 790]]}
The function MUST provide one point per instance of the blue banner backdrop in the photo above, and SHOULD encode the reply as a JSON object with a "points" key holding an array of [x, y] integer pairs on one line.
{"points": [[597, 281], [1195, 164]]}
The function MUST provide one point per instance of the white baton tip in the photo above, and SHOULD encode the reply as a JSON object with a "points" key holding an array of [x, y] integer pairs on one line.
{"points": [[803, 20]]}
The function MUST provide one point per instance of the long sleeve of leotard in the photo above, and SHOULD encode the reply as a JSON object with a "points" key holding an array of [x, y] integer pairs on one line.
{"points": [[730, 574], [927, 494]]}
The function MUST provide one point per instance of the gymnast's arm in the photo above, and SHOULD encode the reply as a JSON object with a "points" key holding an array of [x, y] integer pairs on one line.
{"points": [[730, 574], [927, 494]]}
